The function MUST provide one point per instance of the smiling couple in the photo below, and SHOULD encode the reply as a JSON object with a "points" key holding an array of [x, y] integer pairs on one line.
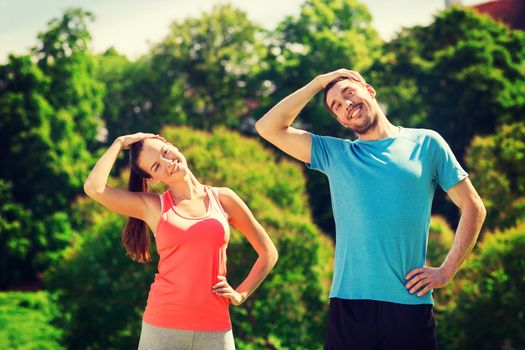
{"points": [[382, 186]]}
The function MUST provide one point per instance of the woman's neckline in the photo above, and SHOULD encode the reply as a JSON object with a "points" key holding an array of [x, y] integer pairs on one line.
{"points": [[179, 213]]}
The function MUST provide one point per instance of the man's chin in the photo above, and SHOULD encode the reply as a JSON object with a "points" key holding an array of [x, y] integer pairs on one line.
{"points": [[363, 129]]}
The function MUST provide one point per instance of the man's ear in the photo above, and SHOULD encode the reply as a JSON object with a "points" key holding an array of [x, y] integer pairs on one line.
{"points": [[370, 90]]}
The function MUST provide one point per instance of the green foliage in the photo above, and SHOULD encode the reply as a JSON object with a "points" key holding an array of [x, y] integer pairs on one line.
{"points": [[462, 75], [296, 290], [63, 55], [49, 114], [202, 74], [101, 292], [440, 239], [49, 117], [127, 101], [25, 322], [15, 241], [204, 71], [498, 172], [488, 312]]}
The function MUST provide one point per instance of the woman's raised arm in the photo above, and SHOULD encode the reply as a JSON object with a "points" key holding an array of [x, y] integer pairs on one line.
{"points": [[132, 204]]}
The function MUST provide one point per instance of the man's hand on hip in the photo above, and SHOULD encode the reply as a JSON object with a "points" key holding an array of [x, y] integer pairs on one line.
{"points": [[426, 278]]}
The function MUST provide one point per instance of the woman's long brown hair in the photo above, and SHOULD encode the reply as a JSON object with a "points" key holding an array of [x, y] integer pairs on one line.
{"points": [[135, 237]]}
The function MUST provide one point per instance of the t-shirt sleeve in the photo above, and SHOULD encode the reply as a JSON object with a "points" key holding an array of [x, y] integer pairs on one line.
{"points": [[447, 170], [325, 151]]}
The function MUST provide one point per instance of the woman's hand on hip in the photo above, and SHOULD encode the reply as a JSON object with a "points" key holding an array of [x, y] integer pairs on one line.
{"points": [[223, 289]]}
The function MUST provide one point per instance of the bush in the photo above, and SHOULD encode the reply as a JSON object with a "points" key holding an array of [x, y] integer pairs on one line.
{"points": [[488, 312], [498, 171], [440, 240]]}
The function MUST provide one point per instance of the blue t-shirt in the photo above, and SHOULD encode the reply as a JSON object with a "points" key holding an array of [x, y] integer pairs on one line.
{"points": [[382, 193]]}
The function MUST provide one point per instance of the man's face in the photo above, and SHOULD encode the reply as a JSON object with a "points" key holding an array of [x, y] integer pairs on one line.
{"points": [[353, 105]]}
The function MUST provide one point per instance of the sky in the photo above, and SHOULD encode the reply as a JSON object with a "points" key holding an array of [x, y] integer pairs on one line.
{"points": [[131, 25]]}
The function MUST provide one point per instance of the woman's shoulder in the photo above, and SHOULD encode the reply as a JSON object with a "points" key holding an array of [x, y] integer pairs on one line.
{"points": [[152, 199], [227, 197], [226, 192]]}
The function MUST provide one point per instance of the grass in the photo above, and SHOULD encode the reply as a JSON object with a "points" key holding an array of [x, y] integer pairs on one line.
{"points": [[25, 321]]}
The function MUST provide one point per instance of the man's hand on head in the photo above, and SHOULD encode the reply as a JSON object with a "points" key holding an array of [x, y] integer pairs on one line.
{"points": [[325, 79]]}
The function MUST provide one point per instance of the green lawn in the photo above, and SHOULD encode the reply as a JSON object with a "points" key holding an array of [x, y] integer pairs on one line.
{"points": [[25, 321]]}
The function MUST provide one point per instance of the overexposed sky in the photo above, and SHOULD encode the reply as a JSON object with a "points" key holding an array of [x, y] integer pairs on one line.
{"points": [[129, 25]]}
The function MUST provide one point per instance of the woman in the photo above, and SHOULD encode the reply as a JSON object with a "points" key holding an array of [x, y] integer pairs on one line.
{"points": [[187, 307]]}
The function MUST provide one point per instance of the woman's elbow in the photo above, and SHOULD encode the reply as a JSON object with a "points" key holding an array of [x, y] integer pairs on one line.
{"points": [[259, 127], [88, 189], [273, 256]]}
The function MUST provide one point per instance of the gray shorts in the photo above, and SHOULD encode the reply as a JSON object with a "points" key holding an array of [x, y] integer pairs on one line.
{"points": [[159, 338]]}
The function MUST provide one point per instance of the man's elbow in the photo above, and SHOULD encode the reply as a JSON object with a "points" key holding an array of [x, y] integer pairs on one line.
{"points": [[479, 210], [482, 211]]}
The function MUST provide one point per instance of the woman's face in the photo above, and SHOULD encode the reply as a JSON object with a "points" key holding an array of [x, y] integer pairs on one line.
{"points": [[163, 161]]}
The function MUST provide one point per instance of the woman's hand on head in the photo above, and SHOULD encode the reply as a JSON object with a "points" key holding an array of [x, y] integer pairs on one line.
{"points": [[127, 140]]}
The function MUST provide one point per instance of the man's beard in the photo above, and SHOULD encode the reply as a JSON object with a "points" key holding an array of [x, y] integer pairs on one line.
{"points": [[370, 124]]}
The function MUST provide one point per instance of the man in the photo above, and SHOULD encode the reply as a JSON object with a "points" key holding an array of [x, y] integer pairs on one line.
{"points": [[382, 186]]}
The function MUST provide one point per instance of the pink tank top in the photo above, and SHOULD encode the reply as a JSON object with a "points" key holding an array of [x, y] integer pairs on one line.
{"points": [[192, 253]]}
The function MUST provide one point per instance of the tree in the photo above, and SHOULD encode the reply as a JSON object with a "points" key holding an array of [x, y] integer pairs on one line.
{"points": [[287, 311], [204, 72], [488, 312], [49, 116], [127, 101], [50, 113], [64, 56], [461, 75], [498, 171], [15, 241]]}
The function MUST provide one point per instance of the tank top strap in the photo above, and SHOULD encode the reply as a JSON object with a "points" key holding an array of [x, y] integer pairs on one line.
{"points": [[214, 196]]}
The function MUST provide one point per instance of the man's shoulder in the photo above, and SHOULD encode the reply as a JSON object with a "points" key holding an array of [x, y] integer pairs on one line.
{"points": [[330, 138], [330, 141], [420, 134]]}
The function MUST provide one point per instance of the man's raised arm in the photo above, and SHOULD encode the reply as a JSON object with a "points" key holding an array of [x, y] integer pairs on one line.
{"points": [[275, 125]]}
